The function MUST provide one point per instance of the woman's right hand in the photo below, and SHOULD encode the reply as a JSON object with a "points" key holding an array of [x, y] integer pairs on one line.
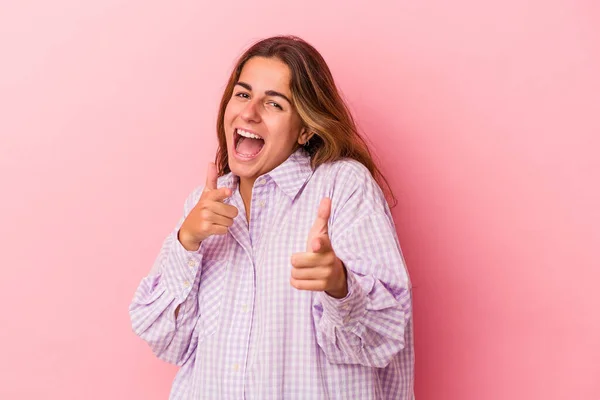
{"points": [[210, 216]]}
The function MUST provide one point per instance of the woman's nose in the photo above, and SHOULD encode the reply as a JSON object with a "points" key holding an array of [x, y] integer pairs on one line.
{"points": [[250, 112]]}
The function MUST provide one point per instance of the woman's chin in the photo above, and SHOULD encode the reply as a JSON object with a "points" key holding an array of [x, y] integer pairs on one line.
{"points": [[243, 171]]}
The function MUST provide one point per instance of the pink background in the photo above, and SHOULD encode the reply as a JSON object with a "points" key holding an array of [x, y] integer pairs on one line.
{"points": [[485, 116]]}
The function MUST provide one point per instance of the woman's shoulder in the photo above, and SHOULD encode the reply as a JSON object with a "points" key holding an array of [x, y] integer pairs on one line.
{"points": [[347, 172], [347, 179], [344, 167]]}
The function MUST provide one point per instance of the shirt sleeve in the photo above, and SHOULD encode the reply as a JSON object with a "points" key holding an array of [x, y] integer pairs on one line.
{"points": [[366, 327], [173, 282]]}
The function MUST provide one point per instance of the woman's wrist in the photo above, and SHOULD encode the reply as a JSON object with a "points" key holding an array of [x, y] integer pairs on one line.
{"points": [[186, 242]]}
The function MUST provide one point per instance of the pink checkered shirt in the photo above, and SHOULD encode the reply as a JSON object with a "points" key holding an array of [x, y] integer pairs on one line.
{"points": [[243, 332]]}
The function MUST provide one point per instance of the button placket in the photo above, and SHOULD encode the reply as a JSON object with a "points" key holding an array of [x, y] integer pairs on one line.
{"points": [[192, 263]]}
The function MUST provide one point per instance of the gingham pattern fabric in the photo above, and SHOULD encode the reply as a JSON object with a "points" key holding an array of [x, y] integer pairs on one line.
{"points": [[243, 332]]}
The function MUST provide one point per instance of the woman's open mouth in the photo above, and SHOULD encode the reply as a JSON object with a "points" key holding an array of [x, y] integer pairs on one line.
{"points": [[247, 144]]}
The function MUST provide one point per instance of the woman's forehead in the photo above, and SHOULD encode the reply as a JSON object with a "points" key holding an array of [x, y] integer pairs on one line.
{"points": [[264, 74]]}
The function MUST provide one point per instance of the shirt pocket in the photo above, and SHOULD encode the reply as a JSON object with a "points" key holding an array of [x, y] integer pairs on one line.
{"points": [[210, 297]]}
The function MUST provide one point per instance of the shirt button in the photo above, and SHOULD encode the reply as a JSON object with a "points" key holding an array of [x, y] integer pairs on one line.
{"points": [[262, 181], [245, 308], [261, 203], [191, 263], [236, 367], [186, 284]]}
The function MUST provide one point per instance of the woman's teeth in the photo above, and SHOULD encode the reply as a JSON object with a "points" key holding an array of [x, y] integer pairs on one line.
{"points": [[247, 134]]}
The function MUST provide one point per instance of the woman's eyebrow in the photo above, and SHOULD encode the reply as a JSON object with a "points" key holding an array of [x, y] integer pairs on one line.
{"points": [[268, 92]]}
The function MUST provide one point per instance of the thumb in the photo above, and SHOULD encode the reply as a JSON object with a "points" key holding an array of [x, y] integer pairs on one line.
{"points": [[211, 177]]}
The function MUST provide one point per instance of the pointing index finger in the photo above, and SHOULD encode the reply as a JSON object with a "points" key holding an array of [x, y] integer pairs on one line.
{"points": [[321, 222], [211, 177]]}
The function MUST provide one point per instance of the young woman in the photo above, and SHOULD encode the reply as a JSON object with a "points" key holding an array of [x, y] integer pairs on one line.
{"points": [[284, 279]]}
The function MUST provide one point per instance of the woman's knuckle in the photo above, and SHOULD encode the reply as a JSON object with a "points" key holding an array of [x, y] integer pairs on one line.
{"points": [[205, 214]]}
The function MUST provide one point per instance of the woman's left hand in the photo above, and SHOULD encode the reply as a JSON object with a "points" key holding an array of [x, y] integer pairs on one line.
{"points": [[319, 269]]}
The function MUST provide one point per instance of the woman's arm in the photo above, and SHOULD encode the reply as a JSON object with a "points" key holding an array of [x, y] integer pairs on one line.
{"points": [[164, 310], [369, 325]]}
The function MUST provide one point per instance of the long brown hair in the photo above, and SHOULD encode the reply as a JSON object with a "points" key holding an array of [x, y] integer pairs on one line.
{"points": [[317, 101]]}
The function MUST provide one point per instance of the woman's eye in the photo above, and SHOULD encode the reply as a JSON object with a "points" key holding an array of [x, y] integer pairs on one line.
{"points": [[275, 105], [243, 95]]}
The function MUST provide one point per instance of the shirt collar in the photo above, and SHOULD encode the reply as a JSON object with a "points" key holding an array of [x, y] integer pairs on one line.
{"points": [[293, 173], [290, 176]]}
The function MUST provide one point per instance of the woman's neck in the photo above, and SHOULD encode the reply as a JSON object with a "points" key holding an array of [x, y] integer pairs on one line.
{"points": [[246, 185]]}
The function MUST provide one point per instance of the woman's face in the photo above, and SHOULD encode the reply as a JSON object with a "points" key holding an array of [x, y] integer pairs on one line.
{"points": [[262, 128]]}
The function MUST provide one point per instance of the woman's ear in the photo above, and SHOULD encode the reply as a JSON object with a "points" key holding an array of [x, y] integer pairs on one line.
{"points": [[304, 136]]}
